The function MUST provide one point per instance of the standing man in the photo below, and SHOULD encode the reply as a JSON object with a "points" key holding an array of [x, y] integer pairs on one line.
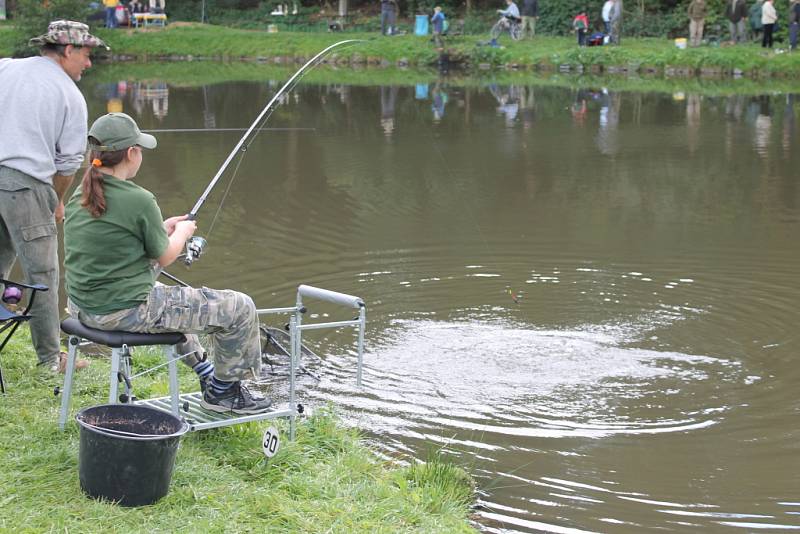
{"points": [[43, 140], [606, 16], [616, 22], [794, 24], [768, 18], [111, 13], [736, 13], [530, 12], [388, 16], [697, 18]]}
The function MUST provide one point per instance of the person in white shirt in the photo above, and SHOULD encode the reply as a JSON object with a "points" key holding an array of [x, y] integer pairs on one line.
{"points": [[42, 144], [606, 14], [768, 18], [508, 16]]}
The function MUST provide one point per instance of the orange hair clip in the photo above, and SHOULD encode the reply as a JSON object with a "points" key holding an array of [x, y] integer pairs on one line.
{"points": [[97, 163]]}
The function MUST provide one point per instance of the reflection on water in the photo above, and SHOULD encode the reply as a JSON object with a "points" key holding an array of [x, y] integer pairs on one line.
{"points": [[587, 297], [138, 97]]}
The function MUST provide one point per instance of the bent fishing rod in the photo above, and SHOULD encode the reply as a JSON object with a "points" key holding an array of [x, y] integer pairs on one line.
{"points": [[195, 245]]}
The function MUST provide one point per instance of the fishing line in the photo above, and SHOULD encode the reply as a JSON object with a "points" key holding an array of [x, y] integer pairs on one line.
{"points": [[195, 130], [195, 245], [241, 159], [267, 110], [463, 200], [515, 296]]}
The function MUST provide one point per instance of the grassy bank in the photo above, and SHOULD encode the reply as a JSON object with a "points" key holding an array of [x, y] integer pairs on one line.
{"points": [[187, 74], [325, 481], [645, 55]]}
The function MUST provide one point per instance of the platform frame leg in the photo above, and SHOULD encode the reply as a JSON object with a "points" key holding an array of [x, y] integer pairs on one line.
{"points": [[126, 360], [66, 391], [113, 381], [174, 389], [295, 343]]}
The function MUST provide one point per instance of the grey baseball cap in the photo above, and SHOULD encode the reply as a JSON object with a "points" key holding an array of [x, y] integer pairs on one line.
{"points": [[118, 131]]}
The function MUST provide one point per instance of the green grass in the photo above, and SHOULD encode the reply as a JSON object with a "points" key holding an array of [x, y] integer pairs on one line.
{"points": [[327, 480], [182, 40]]}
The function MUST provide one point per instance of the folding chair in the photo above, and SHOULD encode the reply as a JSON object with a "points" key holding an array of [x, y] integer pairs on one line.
{"points": [[10, 320]]}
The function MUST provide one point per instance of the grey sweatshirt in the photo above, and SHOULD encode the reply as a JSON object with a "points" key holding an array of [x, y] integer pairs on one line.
{"points": [[42, 118]]}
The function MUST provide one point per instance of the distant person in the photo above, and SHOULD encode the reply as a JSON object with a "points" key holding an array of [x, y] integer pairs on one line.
{"points": [[768, 18], [157, 6], [508, 16], [581, 25], [606, 16], [437, 22], [121, 14], [388, 16], [697, 17], [530, 12], [794, 24], [111, 13], [755, 20], [135, 6], [42, 145], [736, 13], [616, 23]]}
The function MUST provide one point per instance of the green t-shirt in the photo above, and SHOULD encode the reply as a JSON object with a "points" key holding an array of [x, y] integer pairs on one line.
{"points": [[108, 259]]}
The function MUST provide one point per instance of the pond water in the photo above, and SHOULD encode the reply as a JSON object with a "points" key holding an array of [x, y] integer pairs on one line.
{"points": [[587, 298]]}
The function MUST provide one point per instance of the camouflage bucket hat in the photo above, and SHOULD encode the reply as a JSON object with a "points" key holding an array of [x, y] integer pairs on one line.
{"points": [[68, 32]]}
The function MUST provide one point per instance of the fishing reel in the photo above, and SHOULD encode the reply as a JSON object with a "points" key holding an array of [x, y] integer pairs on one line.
{"points": [[194, 248]]}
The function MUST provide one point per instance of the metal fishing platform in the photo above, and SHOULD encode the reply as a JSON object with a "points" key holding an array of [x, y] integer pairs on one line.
{"points": [[277, 344]]}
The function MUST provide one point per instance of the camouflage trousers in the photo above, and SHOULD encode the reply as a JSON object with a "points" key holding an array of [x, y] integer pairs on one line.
{"points": [[228, 318], [28, 234]]}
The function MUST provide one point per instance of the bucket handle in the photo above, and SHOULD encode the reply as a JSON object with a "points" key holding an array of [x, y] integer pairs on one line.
{"points": [[112, 432]]}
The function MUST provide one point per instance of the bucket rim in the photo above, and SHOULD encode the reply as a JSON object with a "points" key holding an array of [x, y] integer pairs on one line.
{"points": [[184, 426]]}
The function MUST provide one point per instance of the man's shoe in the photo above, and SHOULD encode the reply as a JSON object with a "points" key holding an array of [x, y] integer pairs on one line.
{"points": [[237, 399], [61, 365]]}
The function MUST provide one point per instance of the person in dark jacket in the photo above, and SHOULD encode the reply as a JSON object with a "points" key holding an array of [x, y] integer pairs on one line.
{"points": [[388, 16], [736, 13], [794, 23], [530, 12], [755, 20]]}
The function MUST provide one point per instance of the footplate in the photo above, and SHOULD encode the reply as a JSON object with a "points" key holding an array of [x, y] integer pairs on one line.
{"points": [[199, 418]]}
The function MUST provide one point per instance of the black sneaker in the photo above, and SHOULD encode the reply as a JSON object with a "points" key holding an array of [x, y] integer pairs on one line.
{"points": [[237, 399]]}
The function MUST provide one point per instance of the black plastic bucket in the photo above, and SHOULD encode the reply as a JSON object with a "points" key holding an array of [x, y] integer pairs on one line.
{"points": [[127, 452]]}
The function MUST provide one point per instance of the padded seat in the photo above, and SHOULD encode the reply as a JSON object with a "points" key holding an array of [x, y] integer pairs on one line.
{"points": [[120, 343], [116, 338]]}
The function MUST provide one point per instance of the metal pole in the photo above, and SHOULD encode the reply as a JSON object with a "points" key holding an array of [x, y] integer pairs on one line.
{"points": [[292, 408], [362, 320]]}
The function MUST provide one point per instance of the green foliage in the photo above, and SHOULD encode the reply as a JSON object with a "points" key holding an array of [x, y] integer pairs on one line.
{"points": [[555, 16], [490, 55], [33, 16], [437, 483]]}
